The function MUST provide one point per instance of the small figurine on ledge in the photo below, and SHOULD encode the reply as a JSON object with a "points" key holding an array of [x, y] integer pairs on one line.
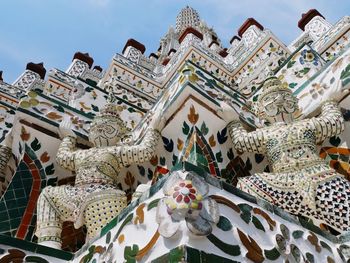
{"points": [[94, 200], [300, 182]]}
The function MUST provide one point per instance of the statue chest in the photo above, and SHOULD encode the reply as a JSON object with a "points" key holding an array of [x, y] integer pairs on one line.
{"points": [[97, 162], [291, 143]]}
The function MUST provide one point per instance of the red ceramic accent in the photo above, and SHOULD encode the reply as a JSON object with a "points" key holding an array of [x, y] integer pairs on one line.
{"points": [[248, 23], [306, 18], [234, 38], [190, 30], [166, 61], [213, 42], [84, 57], [171, 51], [34, 195], [133, 43], [37, 68], [98, 68], [223, 52], [153, 55]]}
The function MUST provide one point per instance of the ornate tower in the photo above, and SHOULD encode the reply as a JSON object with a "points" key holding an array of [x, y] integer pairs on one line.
{"points": [[188, 17], [215, 148]]}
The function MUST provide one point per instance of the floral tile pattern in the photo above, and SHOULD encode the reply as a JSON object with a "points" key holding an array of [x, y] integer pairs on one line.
{"points": [[197, 217]]}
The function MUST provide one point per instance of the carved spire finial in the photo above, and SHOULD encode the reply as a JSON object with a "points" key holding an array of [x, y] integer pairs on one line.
{"points": [[188, 17]]}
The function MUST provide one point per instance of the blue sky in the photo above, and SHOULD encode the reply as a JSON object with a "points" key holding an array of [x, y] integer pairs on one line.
{"points": [[52, 31]]}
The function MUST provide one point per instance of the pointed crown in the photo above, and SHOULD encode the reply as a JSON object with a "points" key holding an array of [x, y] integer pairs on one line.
{"points": [[272, 84], [111, 111]]}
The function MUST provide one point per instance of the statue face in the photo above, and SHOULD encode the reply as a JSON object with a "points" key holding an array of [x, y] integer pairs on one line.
{"points": [[279, 106], [104, 132]]}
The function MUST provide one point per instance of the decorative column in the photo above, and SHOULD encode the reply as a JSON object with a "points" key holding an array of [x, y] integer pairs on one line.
{"points": [[32, 77], [214, 45], [133, 50], [250, 31], [80, 63], [153, 58], [235, 41], [189, 36], [314, 23]]}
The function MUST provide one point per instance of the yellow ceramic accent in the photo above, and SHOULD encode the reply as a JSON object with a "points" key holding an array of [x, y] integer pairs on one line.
{"points": [[194, 205], [24, 104], [199, 197], [183, 206], [33, 102], [32, 94]]}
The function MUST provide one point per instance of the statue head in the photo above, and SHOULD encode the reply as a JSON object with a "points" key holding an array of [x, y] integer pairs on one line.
{"points": [[276, 103], [107, 128]]}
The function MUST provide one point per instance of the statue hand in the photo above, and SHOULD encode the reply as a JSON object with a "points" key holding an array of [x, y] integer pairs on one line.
{"points": [[66, 128], [227, 113]]}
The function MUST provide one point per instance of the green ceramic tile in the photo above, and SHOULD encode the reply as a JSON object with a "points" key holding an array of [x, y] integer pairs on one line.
{"points": [[11, 203], [43, 184], [28, 189], [51, 251], [344, 158], [7, 233], [17, 243], [193, 255], [207, 258], [10, 195], [19, 193], [38, 164], [2, 206], [13, 213], [17, 184], [22, 202], [333, 156], [35, 259], [15, 222], [162, 259], [344, 238], [31, 153], [22, 167], [5, 226], [109, 226], [26, 175], [30, 232], [3, 216]]}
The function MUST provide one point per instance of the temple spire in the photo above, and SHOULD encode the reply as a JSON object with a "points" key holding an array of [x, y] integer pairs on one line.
{"points": [[188, 17]]}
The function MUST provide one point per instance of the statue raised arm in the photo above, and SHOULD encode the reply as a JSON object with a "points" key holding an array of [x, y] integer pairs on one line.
{"points": [[95, 199], [300, 181], [243, 141]]}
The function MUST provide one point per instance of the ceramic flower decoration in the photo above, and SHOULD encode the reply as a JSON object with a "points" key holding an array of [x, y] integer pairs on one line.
{"points": [[309, 57], [284, 245], [186, 199]]}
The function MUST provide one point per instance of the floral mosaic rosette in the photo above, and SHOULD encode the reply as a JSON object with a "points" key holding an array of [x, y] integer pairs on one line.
{"points": [[186, 199]]}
